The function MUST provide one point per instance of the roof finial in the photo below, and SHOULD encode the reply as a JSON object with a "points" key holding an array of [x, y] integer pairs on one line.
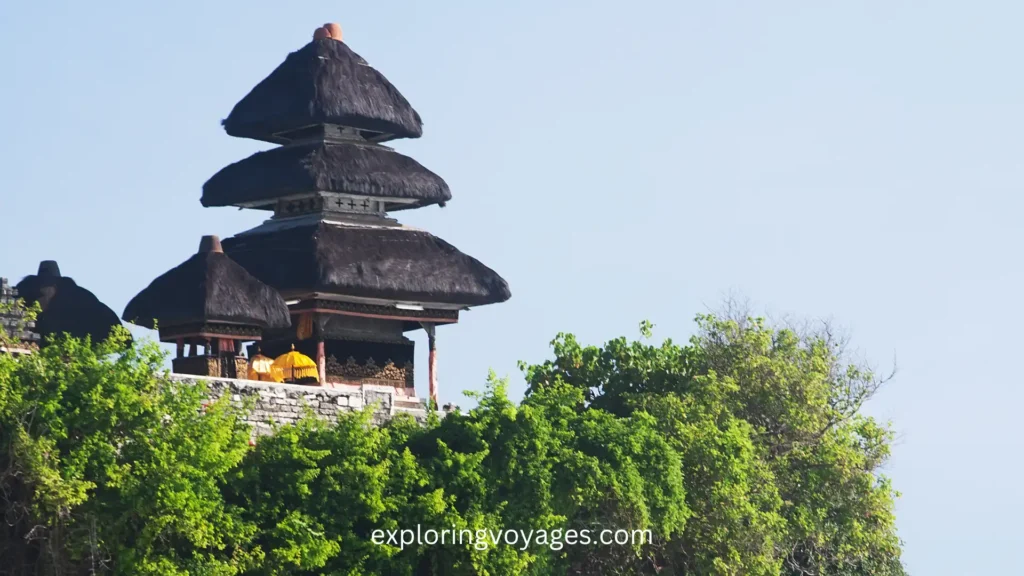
{"points": [[210, 244], [329, 30], [48, 269]]}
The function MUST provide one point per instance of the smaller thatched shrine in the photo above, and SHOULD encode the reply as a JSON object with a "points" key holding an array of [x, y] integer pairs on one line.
{"points": [[65, 307], [19, 335], [212, 305]]}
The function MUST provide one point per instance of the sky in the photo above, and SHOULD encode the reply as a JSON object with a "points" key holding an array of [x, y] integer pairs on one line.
{"points": [[615, 162]]}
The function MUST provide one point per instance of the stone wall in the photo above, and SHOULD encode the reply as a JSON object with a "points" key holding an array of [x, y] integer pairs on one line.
{"points": [[285, 403], [23, 338]]}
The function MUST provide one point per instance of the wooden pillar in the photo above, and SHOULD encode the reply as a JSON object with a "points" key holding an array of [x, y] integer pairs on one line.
{"points": [[192, 348], [181, 347], [321, 362], [431, 362]]}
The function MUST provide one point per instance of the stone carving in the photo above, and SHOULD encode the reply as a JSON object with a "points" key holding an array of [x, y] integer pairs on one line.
{"points": [[352, 370]]}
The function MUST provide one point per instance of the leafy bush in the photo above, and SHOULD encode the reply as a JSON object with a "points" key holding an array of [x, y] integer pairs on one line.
{"points": [[742, 452]]}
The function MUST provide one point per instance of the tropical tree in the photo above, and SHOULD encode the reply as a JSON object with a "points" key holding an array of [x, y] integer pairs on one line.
{"points": [[741, 452], [105, 465], [781, 470]]}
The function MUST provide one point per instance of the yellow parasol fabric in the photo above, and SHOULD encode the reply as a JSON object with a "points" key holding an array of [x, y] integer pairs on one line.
{"points": [[262, 368], [296, 365], [305, 328]]}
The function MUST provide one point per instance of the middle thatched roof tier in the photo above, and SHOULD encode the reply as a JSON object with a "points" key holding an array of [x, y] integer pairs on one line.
{"points": [[358, 169], [386, 263], [324, 82], [208, 287]]}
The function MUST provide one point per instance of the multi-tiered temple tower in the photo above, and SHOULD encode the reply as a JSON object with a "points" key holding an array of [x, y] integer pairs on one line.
{"points": [[355, 280]]}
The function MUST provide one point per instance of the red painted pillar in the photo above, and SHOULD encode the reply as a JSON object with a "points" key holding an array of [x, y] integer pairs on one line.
{"points": [[321, 362], [432, 365]]}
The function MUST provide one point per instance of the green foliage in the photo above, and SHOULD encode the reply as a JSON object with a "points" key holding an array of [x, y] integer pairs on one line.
{"points": [[781, 472], [22, 314], [742, 452], [102, 464], [320, 491]]}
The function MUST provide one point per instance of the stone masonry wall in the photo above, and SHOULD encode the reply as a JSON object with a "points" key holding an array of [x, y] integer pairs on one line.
{"points": [[285, 403]]}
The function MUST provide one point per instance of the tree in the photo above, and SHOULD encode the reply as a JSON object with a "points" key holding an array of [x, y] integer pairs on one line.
{"points": [[741, 452], [319, 491], [105, 466], [781, 471]]}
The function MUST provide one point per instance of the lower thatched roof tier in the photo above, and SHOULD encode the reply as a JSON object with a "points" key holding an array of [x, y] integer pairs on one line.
{"points": [[208, 287], [364, 170], [65, 306], [323, 82], [389, 263]]}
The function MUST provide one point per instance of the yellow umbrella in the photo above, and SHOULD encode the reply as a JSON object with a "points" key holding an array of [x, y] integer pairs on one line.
{"points": [[262, 368], [296, 366]]}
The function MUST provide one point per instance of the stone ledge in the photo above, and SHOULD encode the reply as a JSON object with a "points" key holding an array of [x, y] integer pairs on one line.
{"points": [[285, 403]]}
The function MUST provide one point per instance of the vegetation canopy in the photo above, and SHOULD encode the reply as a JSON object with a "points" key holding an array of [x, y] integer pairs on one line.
{"points": [[742, 452]]}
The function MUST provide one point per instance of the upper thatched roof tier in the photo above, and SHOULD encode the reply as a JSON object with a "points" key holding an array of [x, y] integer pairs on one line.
{"points": [[395, 263], [366, 170], [208, 287], [65, 306], [324, 82]]}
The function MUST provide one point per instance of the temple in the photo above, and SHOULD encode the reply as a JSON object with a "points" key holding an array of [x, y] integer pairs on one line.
{"points": [[331, 274], [212, 305]]}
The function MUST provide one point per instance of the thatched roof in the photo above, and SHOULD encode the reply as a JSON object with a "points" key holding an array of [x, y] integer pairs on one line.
{"points": [[366, 170], [208, 287], [65, 306], [324, 81], [372, 262]]}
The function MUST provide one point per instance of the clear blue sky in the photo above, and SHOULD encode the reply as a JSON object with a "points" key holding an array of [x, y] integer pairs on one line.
{"points": [[615, 162]]}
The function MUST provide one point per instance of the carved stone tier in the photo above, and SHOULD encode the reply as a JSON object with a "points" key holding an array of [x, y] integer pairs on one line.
{"points": [[369, 372], [328, 203], [216, 366]]}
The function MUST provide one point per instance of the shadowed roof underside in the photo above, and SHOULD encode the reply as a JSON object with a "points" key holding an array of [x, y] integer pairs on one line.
{"points": [[386, 263], [323, 82]]}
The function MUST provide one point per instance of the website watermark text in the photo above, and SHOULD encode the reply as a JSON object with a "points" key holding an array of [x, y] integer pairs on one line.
{"points": [[554, 539]]}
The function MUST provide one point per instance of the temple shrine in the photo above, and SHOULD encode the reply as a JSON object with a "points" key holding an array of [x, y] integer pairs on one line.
{"points": [[210, 304], [331, 274], [64, 306], [325, 291]]}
